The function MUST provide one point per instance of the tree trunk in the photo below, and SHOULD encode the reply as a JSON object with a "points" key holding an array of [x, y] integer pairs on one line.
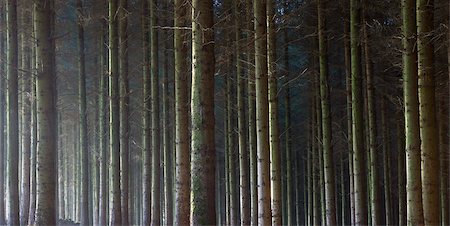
{"points": [[357, 116], [156, 151], [401, 170], [275, 176], [348, 89], [328, 164], [385, 134], [147, 117], [114, 121], [102, 124], [182, 166], [12, 121], [262, 113], [83, 149], [375, 203], [203, 154], [412, 141], [3, 86], [46, 113], [26, 118], [168, 141], [427, 112], [244, 191], [124, 109], [252, 115]]}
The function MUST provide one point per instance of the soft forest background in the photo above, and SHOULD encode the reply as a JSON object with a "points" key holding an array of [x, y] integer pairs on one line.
{"points": [[227, 112]]}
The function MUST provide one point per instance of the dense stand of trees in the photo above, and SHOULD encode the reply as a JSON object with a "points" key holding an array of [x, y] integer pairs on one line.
{"points": [[202, 112]]}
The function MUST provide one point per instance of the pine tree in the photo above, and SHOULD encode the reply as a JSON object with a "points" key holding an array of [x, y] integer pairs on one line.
{"points": [[359, 177], [182, 166], [275, 167], [410, 95], [46, 113], [427, 112], [203, 157]]}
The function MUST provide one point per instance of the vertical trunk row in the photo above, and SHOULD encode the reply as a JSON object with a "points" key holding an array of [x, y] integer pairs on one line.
{"points": [[114, 129], [2, 112], [46, 113], [385, 134], [124, 109], [401, 170], [182, 166], [102, 125], [427, 111], [359, 171], [372, 130], [156, 151], [412, 141], [262, 113], [244, 191], [275, 167], [147, 117], [203, 154], [252, 115], [83, 149], [25, 117], [328, 164], [12, 121]]}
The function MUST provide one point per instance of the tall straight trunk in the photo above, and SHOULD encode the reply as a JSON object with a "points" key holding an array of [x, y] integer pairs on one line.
{"points": [[359, 171], [168, 141], [275, 167], [114, 129], [244, 191], [401, 170], [147, 117], [328, 165], [203, 151], [46, 113], [262, 113], [412, 141], [156, 151], [444, 153], [33, 150], [385, 134], [2, 113], [319, 138], [375, 198], [124, 110], [317, 216], [348, 89], [12, 120], [182, 166], [82, 117], [291, 164], [26, 119], [427, 112], [252, 115], [102, 124], [310, 180]]}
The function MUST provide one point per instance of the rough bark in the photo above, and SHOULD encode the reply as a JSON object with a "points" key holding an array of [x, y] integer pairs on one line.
{"points": [[82, 117], [427, 112], [244, 191], [275, 157], [359, 171], [2, 114], [328, 165], [147, 120], [182, 166], [124, 110], [114, 114], [412, 141], [12, 122], [46, 113], [262, 113], [203, 156]]}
